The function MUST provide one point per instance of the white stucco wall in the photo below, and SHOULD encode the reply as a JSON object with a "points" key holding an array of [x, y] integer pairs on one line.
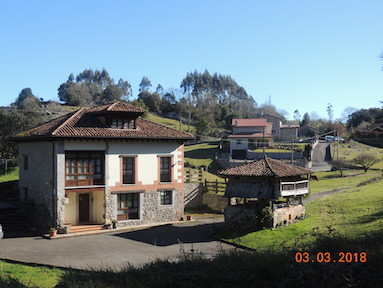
{"points": [[234, 146], [147, 157]]}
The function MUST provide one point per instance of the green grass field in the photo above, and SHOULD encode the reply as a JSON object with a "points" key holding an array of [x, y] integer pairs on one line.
{"points": [[13, 174], [169, 123], [332, 180], [351, 149], [202, 155], [352, 215], [28, 275]]}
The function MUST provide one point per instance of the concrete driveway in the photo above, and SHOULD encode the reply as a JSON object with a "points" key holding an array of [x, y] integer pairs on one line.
{"points": [[117, 249], [321, 157]]}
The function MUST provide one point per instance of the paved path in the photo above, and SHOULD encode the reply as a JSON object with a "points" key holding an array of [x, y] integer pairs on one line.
{"points": [[321, 155], [323, 193], [117, 249]]}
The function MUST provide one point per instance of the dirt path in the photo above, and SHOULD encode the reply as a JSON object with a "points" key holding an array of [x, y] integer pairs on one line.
{"points": [[323, 193]]}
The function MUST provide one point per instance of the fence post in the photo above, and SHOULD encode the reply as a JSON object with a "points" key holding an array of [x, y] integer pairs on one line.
{"points": [[216, 186]]}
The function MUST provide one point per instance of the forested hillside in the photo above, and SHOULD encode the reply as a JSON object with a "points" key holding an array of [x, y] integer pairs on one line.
{"points": [[206, 101]]}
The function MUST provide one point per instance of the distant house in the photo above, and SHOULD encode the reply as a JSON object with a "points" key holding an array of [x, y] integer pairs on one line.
{"points": [[101, 164], [262, 183], [276, 125], [289, 132], [248, 134]]}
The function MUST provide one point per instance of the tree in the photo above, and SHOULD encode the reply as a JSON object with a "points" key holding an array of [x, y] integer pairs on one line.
{"points": [[297, 116], [13, 121], [27, 101], [93, 88], [330, 112], [145, 84], [365, 160], [340, 165], [306, 119], [151, 100]]}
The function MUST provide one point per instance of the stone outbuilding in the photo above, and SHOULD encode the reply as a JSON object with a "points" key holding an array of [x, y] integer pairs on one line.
{"points": [[267, 183]]}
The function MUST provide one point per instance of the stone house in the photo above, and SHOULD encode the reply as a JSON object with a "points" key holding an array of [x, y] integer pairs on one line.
{"points": [[264, 183], [248, 134], [101, 164], [282, 132]]}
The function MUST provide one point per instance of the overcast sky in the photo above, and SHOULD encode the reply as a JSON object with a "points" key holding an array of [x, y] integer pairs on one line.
{"points": [[297, 54]]}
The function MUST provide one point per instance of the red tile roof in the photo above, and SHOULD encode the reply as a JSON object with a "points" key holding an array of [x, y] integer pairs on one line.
{"points": [[83, 124], [259, 122], [254, 135], [117, 107], [266, 167]]}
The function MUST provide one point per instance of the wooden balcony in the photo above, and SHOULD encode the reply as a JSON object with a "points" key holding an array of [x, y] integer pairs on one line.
{"points": [[294, 188]]}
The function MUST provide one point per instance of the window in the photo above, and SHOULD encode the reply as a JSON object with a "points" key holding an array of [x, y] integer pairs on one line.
{"points": [[239, 142], [128, 170], [26, 193], [122, 123], [26, 162], [166, 197], [83, 169], [165, 169], [128, 206]]}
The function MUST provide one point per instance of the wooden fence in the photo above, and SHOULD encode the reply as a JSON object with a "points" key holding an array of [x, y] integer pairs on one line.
{"points": [[215, 186], [193, 176]]}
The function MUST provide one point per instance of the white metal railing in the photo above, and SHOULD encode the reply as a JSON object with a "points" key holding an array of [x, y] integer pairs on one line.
{"points": [[294, 188]]}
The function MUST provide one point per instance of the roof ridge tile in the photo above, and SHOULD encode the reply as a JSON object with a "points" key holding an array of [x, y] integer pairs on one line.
{"points": [[66, 121]]}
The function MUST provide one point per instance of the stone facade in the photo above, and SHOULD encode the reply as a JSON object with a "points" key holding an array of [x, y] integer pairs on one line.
{"points": [[152, 212], [43, 182], [36, 182], [288, 214]]}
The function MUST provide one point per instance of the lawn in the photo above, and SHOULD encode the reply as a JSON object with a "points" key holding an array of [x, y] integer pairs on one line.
{"points": [[354, 215], [351, 149], [13, 174], [202, 155], [29, 275], [332, 180]]}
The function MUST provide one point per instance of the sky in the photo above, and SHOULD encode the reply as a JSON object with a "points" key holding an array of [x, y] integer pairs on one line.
{"points": [[296, 55]]}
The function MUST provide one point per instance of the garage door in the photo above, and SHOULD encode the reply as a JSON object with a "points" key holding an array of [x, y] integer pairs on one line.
{"points": [[239, 154]]}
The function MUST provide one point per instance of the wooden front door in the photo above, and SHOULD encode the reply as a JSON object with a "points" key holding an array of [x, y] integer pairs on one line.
{"points": [[83, 206]]}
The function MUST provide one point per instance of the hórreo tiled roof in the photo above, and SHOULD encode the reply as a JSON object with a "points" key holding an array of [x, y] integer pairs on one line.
{"points": [[266, 167]]}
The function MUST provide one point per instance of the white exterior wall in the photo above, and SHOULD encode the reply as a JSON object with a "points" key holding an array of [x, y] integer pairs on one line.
{"points": [[234, 146], [147, 157]]}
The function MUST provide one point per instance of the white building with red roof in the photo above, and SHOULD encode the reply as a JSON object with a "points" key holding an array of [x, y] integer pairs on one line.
{"points": [[249, 134], [101, 164]]}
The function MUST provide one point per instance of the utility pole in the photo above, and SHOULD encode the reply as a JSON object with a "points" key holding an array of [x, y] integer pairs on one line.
{"points": [[263, 142], [292, 151]]}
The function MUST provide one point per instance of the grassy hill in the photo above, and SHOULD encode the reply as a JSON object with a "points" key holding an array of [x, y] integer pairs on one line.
{"points": [[169, 122]]}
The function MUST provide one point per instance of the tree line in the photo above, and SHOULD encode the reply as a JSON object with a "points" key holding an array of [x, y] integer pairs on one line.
{"points": [[208, 101]]}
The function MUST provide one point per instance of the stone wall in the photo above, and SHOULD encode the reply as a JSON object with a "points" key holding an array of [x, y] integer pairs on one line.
{"points": [[38, 181], [215, 202], [193, 195], [153, 212], [279, 156], [288, 214], [247, 216]]}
